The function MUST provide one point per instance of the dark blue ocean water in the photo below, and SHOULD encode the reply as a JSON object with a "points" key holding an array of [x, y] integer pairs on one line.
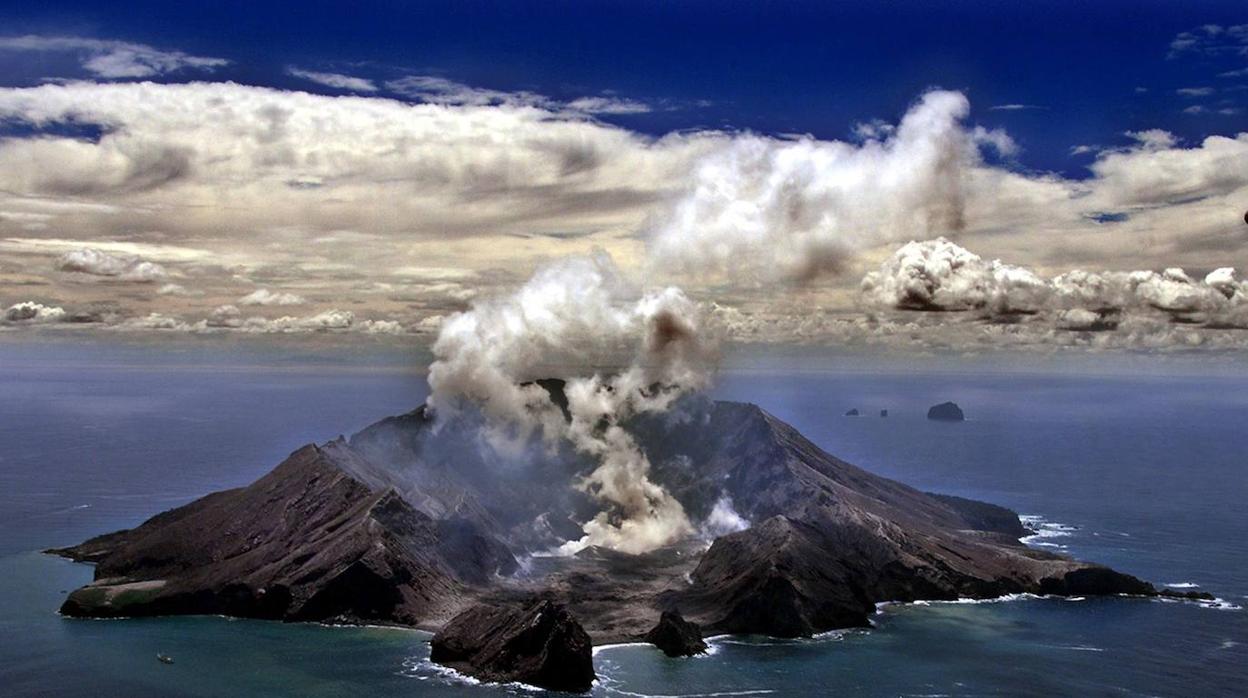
{"points": [[1145, 471]]}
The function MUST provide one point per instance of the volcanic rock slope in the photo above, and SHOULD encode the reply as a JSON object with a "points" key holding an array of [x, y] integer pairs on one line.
{"points": [[409, 524]]}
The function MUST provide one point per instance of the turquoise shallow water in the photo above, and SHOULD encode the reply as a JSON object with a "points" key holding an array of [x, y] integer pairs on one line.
{"points": [[1145, 472]]}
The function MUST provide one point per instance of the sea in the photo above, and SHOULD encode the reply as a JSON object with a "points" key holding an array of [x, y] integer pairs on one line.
{"points": [[1140, 464]]}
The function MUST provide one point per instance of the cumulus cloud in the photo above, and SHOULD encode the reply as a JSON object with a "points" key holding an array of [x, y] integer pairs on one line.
{"points": [[940, 275], [91, 261], [113, 59], [570, 319], [337, 81], [1157, 172], [32, 313], [792, 210], [228, 181], [382, 327], [263, 296], [1082, 320]]}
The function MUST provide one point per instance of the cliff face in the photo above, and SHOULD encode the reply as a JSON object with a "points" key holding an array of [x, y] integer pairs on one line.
{"points": [[308, 541], [409, 524]]}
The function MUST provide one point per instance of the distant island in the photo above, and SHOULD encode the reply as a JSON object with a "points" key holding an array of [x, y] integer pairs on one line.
{"points": [[946, 412], [406, 524]]}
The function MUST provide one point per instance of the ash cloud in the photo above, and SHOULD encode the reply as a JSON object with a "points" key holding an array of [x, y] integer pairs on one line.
{"points": [[620, 352]]}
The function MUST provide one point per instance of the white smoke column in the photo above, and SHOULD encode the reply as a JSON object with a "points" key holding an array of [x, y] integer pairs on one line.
{"points": [[571, 318], [790, 210]]}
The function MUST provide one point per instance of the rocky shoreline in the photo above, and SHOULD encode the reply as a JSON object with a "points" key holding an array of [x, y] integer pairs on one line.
{"points": [[400, 525]]}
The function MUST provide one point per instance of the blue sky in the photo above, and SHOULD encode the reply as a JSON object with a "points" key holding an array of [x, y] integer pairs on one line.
{"points": [[799, 67]]}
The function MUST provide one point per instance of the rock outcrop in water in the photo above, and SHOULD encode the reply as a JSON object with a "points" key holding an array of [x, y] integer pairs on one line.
{"points": [[412, 525], [676, 636], [946, 412], [539, 643]]}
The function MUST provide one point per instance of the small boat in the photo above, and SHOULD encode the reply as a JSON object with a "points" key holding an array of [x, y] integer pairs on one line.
{"points": [[164, 658]]}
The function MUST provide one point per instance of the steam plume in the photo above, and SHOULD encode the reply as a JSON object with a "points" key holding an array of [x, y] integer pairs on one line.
{"points": [[571, 319], [771, 209], [791, 210]]}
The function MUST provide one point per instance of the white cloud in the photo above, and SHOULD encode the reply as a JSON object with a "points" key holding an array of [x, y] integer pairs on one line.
{"points": [[263, 296], [1211, 40], [607, 105], [203, 158], [1014, 107], [417, 209], [91, 261], [1153, 139], [437, 90], [381, 327], [1083, 320], [939, 275], [793, 210], [1158, 172], [176, 290], [1194, 91], [334, 80], [154, 321], [32, 313], [113, 59]]}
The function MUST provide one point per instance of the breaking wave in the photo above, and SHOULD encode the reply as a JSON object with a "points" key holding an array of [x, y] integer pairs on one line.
{"points": [[1044, 531]]}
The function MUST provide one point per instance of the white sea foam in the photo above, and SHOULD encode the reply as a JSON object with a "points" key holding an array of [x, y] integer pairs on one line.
{"points": [[1183, 585], [1043, 531], [425, 670], [1218, 604], [974, 602], [617, 645], [750, 692]]}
